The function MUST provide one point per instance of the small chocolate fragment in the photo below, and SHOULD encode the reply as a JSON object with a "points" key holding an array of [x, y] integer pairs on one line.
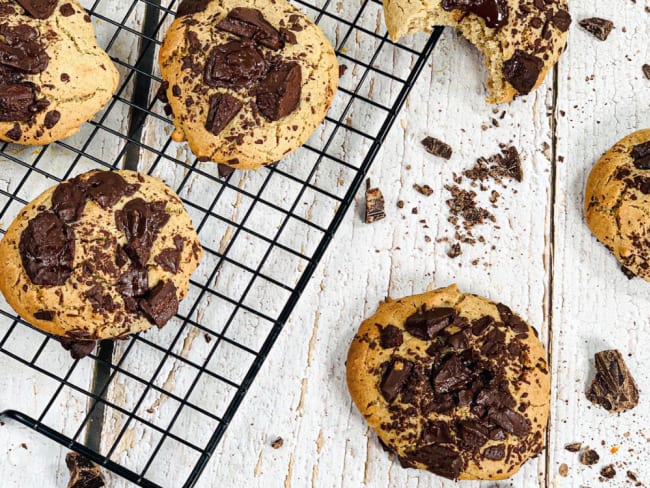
{"points": [[66, 10], [44, 315], [646, 70], [39, 9], [83, 473], [290, 38], [16, 102], [161, 303], [224, 170], [452, 376], [629, 274], [437, 147], [390, 337], [170, 259], [510, 421], [589, 457], [509, 162], [454, 251], [78, 349], [495, 453], [608, 471], [106, 188], [374, 204], [562, 20], [641, 155], [342, 69], [250, 23], [189, 7], [599, 28], [494, 12], [426, 325], [436, 432], [394, 379], [52, 118], [613, 387], [522, 71], [277, 443], [223, 108], [573, 447], [425, 190], [140, 221], [278, 94], [439, 460]]}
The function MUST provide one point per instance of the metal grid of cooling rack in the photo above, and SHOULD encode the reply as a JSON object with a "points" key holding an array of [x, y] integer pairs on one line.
{"points": [[263, 234]]}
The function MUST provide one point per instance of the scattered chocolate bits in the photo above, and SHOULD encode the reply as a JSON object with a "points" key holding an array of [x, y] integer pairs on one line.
{"points": [[374, 204], [573, 447], [599, 28], [425, 190], [437, 147], [608, 471], [506, 164], [613, 387], [277, 443], [646, 70], [83, 473], [589, 457]]}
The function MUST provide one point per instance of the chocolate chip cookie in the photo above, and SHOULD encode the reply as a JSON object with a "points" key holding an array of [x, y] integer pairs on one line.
{"points": [[53, 76], [452, 383], [617, 202], [520, 39], [101, 256], [247, 81]]}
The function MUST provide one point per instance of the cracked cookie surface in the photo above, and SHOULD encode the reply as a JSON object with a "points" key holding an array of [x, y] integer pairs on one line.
{"points": [[53, 76], [101, 256], [247, 81], [451, 383], [520, 40], [617, 202]]}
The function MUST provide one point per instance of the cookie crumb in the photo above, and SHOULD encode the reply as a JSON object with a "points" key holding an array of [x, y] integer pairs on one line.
{"points": [[608, 472], [589, 457], [563, 470], [573, 447], [437, 147], [599, 28], [374, 204], [277, 443]]}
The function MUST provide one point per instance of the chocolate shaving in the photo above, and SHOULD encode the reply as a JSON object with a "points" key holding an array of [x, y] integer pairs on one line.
{"points": [[613, 388]]}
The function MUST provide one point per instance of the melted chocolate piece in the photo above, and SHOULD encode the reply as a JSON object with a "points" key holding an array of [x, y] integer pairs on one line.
{"points": [[223, 108], [66, 10], [641, 155], [390, 337], [278, 94], [562, 20], [52, 118], [161, 303], [522, 71], [17, 102], [107, 188], [495, 453], [510, 421], [170, 259], [133, 284], [472, 435], [494, 12], [436, 432], [452, 376], [224, 170], [141, 221], [78, 349], [47, 250], [426, 325], [44, 315], [189, 7], [99, 300], [39, 9], [234, 65], [395, 378], [21, 50], [439, 460], [68, 201], [251, 24]]}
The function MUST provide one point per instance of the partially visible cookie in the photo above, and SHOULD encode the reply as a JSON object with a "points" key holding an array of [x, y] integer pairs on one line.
{"points": [[247, 81], [452, 383], [521, 40], [53, 76], [617, 202], [101, 256]]}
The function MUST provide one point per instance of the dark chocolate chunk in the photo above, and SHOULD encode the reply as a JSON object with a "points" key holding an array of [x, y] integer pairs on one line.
{"points": [[47, 250], [436, 432], [494, 12], [106, 188], [573, 447], [66, 10], [390, 336], [78, 349], [495, 453], [99, 300], [189, 7], [589, 457], [452, 376], [509, 162], [426, 325], [21, 50], [629, 274], [437, 147], [278, 94], [39, 9], [641, 155], [17, 103], [44, 315], [250, 23], [522, 71], [133, 284], [234, 65], [224, 170], [613, 388], [608, 472], [561, 20], [223, 108], [440, 460], [646, 70], [52, 118], [395, 377], [15, 133], [510, 421], [169, 259], [140, 221], [161, 303], [290, 38], [68, 201], [83, 473], [599, 28], [481, 325], [374, 204], [472, 435]]}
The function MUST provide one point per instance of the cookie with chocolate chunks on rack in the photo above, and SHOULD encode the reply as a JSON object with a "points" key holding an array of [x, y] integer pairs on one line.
{"points": [[617, 202], [101, 256], [248, 81], [452, 383], [53, 75], [520, 40]]}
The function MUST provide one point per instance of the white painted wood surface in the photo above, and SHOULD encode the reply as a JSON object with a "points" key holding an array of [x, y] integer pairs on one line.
{"points": [[545, 264]]}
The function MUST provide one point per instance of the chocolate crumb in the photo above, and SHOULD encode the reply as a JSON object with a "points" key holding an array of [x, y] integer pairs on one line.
{"points": [[207, 337], [224, 170], [589, 457], [342, 69], [400, 204], [23, 445], [437, 147], [277, 443], [83, 473], [608, 472], [632, 476], [426, 190], [646, 70], [599, 28], [573, 447], [454, 251], [374, 204], [563, 470], [613, 387]]}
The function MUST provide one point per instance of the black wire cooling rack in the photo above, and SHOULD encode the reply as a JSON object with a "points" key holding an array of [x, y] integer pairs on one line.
{"points": [[263, 232]]}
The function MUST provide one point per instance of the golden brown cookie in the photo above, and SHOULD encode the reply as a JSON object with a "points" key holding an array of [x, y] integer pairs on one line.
{"points": [[520, 40], [247, 81], [452, 383], [104, 255], [617, 202], [53, 76]]}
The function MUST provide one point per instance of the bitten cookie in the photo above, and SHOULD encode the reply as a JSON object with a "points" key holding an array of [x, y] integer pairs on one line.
{"points": [[452, 383], [247, 81], [617, 202], [101, 256], [53, 76], [520, 39]]}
